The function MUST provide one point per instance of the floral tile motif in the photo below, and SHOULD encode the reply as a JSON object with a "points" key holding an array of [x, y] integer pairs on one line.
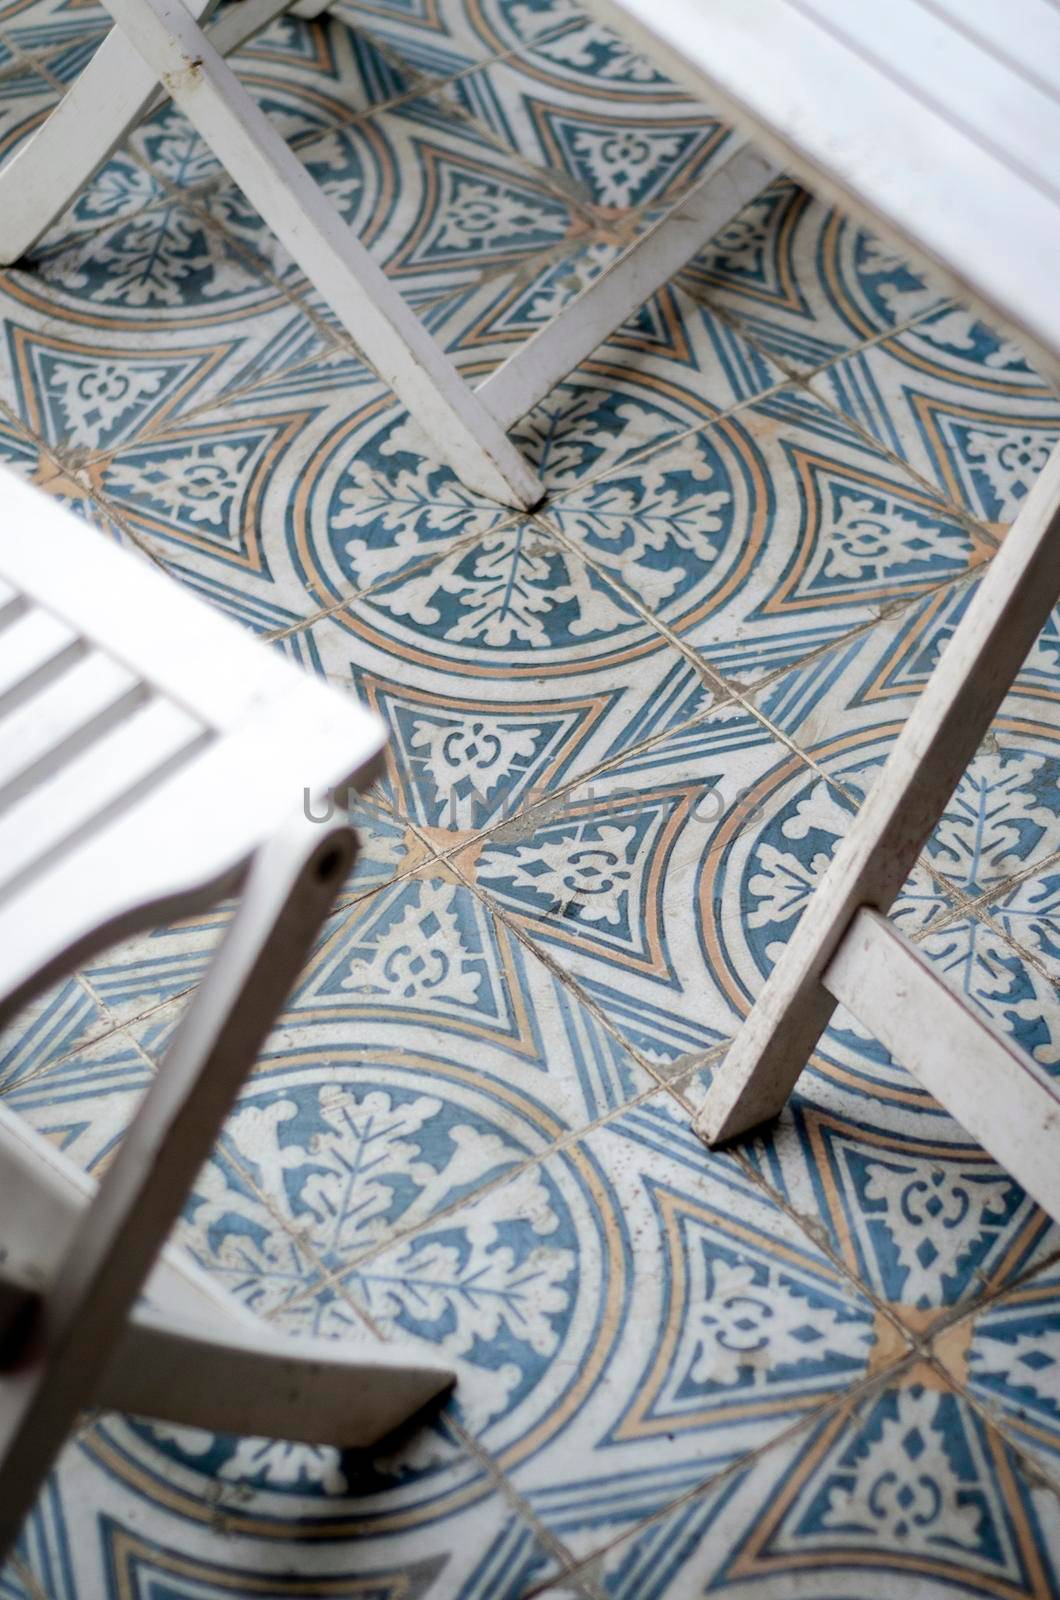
{"points": [[918, 1213], [904, 1486], [435, 202], [805, 282], [159, 266], [535, 102], [957, 401], [617, 885], [1003, 819], [87, 392], [766, 535], [598, 1428]]}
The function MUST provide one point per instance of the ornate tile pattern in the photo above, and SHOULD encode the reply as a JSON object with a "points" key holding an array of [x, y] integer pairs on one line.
{"points": [[626, 735]]}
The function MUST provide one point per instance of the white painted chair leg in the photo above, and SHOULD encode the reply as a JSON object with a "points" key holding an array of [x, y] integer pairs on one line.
{"points": [[64, 1357], [953, 713], [114, 91], [234, 1379], [970, 1066], [562, 344], [195, 1355], [276, 183]]}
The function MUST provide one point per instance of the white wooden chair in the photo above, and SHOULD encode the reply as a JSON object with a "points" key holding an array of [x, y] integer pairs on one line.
{"points": [[152, 759], [938, 123], [161, 43]]}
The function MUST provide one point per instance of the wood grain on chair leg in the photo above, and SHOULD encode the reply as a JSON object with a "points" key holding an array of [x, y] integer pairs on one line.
{"points": [[1007, 613]]}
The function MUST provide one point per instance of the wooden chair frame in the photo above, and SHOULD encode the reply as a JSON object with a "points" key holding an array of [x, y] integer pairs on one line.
{"points": [[957, 166], [161, 44], [152, 759]]}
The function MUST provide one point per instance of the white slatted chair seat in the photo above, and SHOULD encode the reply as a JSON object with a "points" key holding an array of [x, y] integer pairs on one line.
{"points": [[152, 758], [937, 122], [147, 746]]}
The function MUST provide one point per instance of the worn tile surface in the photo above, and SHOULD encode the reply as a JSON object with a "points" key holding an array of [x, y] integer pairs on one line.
{"points": [[626, 735]]}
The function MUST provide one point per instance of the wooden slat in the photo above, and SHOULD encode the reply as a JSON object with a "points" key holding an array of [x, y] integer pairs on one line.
{"points": [[33, 649], [212, 814], [995, 105], [970, 1066], [1024, 33], [232, 1379], [288, 894], [52, 726], [141, 617], [328, 251], [537, 366], [96, 786], [864, 141]]}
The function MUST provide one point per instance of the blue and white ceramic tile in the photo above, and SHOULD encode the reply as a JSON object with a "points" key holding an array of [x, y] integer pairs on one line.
{"points": [[1008, 1357], [608, 1381], [768, 534], [167, 1511], [806, 283], [626, 734], [905, 1488], [960, 403]]}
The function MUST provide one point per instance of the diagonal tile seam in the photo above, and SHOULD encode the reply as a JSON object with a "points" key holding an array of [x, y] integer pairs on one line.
{"points": [[855, 1395], [48, 453], [335, 1278], [746, 697], [1029, 1469], [981, 529], [334, 1281], [919, 1339], [336, 341]]}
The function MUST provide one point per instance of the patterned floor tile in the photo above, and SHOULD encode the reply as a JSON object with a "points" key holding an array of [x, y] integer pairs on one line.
{"points": [[137, 1511], [904, 1489], [86, 389], [535, 1289], [307, 76], [279, 504], [619, 140], [1007, 1355], [53, 1025], [959, 402], [83, 1101], [37, 27], [436, 202], [915, 1209], [805, 282], [555, 670], [1001, 825], [625, 736], [767, 535], [618, 883]]}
